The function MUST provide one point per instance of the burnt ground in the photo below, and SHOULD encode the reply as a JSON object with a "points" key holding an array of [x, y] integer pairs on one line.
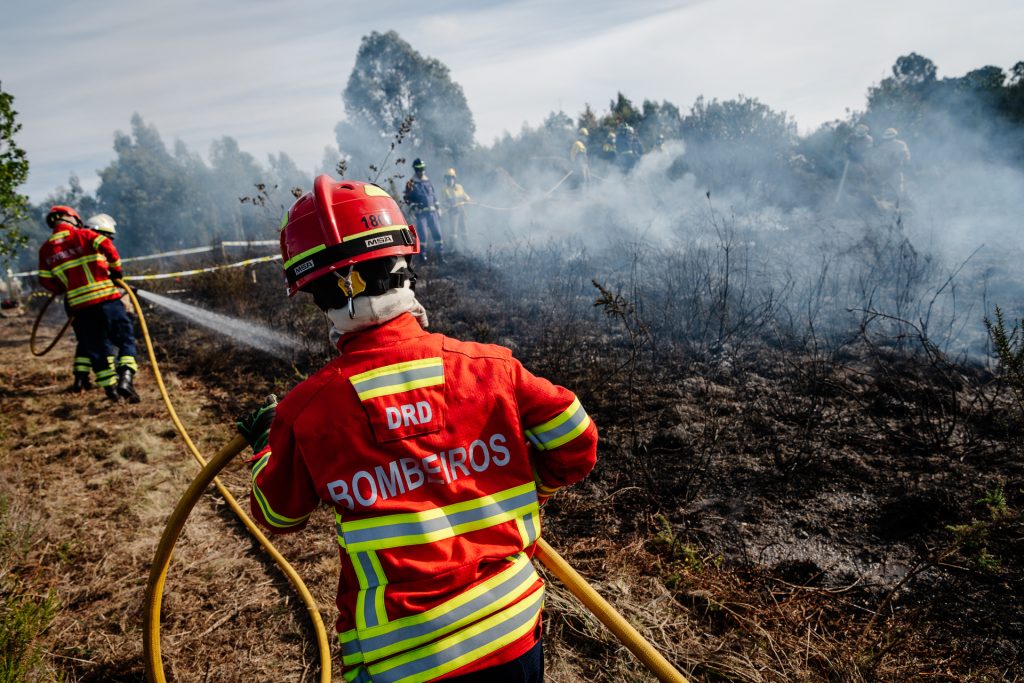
{"points": [[761, 512]]}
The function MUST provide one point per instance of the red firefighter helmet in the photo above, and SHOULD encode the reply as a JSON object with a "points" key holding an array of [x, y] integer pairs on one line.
{"points": [[339, 224], [61, 212]]}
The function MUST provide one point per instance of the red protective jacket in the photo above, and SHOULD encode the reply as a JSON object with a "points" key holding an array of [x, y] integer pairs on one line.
{"points": [[433, 453], [78, 262]]}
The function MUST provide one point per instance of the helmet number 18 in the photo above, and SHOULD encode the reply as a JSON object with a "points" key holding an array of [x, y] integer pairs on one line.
{"points": [[377, 220]]}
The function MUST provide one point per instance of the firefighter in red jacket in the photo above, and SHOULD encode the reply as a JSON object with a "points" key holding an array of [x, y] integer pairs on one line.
{"points": [[434, 454], [82, 264]]}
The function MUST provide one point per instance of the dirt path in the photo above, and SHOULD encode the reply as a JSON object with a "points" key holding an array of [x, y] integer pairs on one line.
{"points": [[88, 487]]}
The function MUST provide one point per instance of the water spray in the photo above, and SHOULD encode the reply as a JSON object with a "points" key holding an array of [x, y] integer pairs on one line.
{"points": [[258, 337]]}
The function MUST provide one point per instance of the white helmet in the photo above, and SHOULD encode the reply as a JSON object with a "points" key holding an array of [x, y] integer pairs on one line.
{"points": [[103, 223]]}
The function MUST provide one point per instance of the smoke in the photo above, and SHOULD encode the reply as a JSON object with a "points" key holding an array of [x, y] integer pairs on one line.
{"points": [[752, 234]]}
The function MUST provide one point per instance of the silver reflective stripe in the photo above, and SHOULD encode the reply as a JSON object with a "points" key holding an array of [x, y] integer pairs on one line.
{"points": [[542, 439], [381, 535], [358, 676], [480, 606], [459, 648], [368, 594], [365, 385], [531, 528]]}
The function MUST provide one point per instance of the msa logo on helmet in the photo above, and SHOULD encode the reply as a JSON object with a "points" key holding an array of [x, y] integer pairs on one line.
{"points": [[303, 267], [377, 241]]}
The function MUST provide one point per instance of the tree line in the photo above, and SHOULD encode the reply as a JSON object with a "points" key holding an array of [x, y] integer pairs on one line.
{"points": [[400, 104]]}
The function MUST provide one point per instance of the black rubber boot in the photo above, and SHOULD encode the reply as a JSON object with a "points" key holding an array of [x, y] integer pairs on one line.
{"points": [[81, 384], [112, 393], [125, 387]]}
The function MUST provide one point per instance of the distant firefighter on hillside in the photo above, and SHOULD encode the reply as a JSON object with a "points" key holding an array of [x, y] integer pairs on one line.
{"points": [[453, 202]]}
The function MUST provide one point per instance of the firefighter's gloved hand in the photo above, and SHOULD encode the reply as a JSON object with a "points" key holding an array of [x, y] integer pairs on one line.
{"points": [[255, 426], [116, 274]]}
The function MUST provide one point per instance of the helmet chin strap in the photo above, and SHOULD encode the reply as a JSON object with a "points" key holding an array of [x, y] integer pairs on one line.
{"points": [[345, 283]]}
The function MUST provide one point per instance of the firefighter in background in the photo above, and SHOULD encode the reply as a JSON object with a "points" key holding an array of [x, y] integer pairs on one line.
{"points": [[104, 225], [82, 264], [608, 148], [888, 159], [453, 201], [856, 175], [578, 159], [434, 453], [422, 202], [628, 149]]}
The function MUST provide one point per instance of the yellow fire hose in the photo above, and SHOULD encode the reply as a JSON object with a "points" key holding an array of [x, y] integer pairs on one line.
{"points": [[35, 328], [162, 560], [576, 584], [607, 614]]}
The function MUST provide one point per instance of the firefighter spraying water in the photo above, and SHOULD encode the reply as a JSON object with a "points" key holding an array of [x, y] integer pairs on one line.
{"points": [[81, 264], [434, 453]]}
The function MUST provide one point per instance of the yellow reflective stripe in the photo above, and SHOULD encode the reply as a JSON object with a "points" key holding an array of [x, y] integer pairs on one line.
{"points": [[274, 519], [358, 675], [98, 241], [399, 377], [370, 598], [433, 525], [529, 528], [483, 600], [81, 260], [59, 235], [80, 299], [373, 231], [299, 257], [350, 652], [468, 645], [563, 428], [44, 273], [85, 289]]}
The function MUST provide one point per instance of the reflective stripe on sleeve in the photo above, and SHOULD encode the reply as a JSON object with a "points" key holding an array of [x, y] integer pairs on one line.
{"points": [[274, 519], [412, 528], [565, 427], [394, 379]]}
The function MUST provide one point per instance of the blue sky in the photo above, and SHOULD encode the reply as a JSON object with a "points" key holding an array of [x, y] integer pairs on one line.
{"points": [[270, 73]]}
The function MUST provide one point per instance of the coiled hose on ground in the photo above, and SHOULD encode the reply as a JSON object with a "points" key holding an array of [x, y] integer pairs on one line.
{"points": [[35, 328], [579, 587]]}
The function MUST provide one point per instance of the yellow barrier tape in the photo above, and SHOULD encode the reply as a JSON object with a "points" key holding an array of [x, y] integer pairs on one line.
{"points": [[197, 271]]}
